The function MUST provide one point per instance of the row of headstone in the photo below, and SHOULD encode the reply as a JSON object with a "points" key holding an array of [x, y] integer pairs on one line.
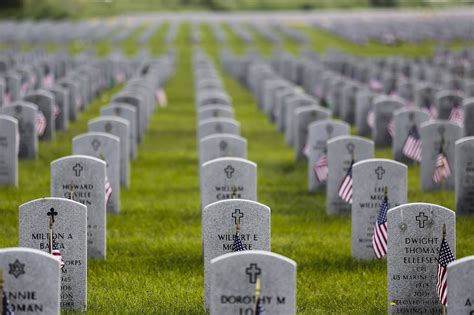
{"points": [[416, 137], [374, 192], [71, 224], [441, 26], [67, 86], [351, 88], [411, 132], [241, 275], [65, 32]]}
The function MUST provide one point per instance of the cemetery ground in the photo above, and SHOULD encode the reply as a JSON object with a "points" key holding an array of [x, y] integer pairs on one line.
{"points": [[154, 262]]}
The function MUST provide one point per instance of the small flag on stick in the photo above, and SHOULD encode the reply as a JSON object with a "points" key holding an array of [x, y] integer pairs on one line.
{"points": [[161, 98], [345, 189], [237, 245], [108, 190], [321, 168], [442, 170], [6, 307], [259, 309], [457, 116], [445, 257], [379, 239], [412, 146], [40, 123]]}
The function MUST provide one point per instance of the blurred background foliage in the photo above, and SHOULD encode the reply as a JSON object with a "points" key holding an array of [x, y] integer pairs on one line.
{"points": [[59, 9]]}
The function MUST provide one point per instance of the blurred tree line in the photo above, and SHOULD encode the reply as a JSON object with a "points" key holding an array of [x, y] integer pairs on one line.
{"points": [[58, 9]]}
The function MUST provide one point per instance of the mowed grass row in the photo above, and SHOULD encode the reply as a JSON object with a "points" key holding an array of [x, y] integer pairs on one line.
{"points": [[329, 281], [154, 262]]}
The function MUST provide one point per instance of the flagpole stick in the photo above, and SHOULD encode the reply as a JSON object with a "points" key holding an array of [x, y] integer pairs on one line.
{"points": [[257, 292], [51, 235], [71, 191], [444, 309]]}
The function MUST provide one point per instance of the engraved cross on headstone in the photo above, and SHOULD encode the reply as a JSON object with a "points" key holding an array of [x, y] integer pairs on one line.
{"points": [[52, 213], [329, 129], [380, 171], [350, 147], [237, 215], [229, 171], [95, 144], [223, 145], [421, 218], [108, 127], [253, 271], [78, 169]]}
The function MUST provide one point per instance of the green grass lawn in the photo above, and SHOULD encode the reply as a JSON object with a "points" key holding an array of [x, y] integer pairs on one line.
{"points": [[154, 263]]}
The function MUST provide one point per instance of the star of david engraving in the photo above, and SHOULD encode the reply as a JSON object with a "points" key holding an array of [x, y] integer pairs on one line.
{"points": [[17, 269]]}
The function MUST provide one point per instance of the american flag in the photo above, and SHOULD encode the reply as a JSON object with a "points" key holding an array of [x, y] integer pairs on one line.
{"points": [[7, 99], [391, 128], [24, 88], [17, 141], [379, 239], [318, 91], [445, 257], [321, 168], [57, 255], [237, 245], [412, 146], [78, 101], [457, 115], [40, 123], [371, 119], [259, 308], [119, 77], [160, 96], [56, 111], [375, 85], [48, 81], [431, 111], [442, 170], [108, 190], [345, 189], [7, 308]]}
